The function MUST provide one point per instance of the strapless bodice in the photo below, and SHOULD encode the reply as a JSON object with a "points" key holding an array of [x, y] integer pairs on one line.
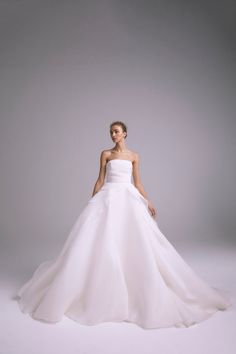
{"points": [[119, 171]]}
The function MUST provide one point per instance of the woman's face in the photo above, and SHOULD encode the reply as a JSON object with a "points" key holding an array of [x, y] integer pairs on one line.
{"points": [[117, 133]]}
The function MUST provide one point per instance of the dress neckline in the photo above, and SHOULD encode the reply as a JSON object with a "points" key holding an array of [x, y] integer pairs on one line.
{"points": [[120, 160]]}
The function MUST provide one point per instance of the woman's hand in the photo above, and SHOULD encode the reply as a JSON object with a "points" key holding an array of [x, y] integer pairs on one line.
{"points": [[152, 209]]}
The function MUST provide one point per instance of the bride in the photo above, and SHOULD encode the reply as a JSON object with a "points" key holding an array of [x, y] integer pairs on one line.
{"points": [[116, 265], [118, 132]]}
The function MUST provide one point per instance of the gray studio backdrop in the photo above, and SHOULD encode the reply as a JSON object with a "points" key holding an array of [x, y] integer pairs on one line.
{"points": [[69, 68]]}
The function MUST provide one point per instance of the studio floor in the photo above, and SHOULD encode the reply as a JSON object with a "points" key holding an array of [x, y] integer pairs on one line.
{"points": [[20, 334]]}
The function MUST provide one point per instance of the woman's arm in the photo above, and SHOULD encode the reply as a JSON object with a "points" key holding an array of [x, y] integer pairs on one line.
{"points": [[102, 171], [139, 185]]}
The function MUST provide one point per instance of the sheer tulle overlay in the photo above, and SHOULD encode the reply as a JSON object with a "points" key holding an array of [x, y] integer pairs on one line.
{"points": [[116, 265]]}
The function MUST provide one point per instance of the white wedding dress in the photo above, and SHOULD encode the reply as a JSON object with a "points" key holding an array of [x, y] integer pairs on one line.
{"points": [[116, 265]]}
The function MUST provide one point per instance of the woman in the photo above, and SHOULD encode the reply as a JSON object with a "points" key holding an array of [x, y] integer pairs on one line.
{"points": [[116, 265], [118, 132]]}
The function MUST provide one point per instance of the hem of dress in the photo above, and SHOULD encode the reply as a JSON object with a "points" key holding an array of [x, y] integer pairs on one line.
{"points": [[178, 325]]}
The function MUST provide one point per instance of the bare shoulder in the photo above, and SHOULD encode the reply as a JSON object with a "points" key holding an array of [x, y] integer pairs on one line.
{"points": [[131, 155], [135, 157], [106, 152], [104, 156]]}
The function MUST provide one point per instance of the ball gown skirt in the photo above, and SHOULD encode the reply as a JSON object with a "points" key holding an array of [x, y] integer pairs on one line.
{"points": [[116, 265]]}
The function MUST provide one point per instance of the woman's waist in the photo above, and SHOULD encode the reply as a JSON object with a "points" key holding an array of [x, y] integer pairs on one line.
{"points": [[118, 180], [118, 177]]}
